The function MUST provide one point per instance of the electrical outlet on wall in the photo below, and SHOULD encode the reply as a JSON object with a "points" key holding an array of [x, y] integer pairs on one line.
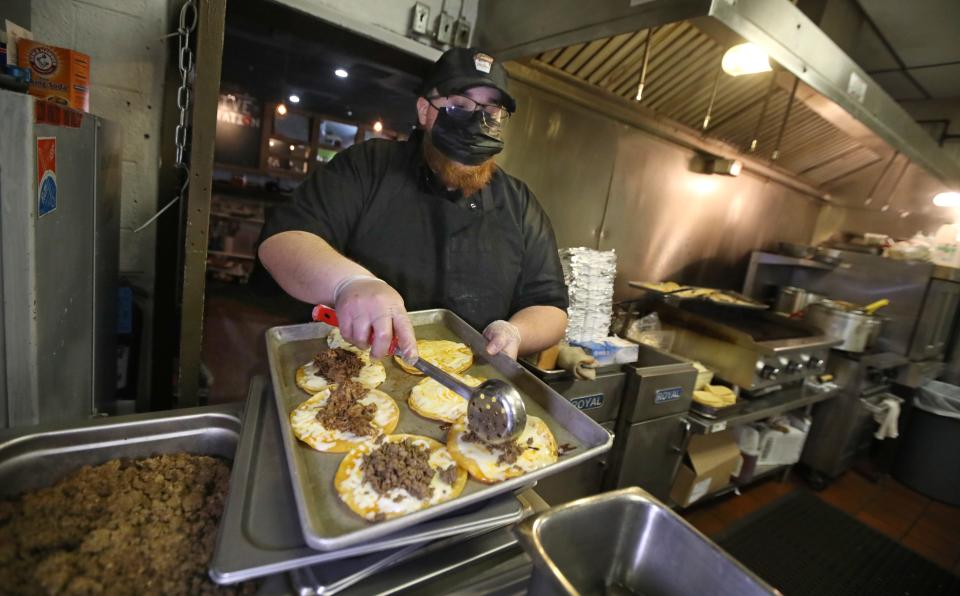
{"points": [[421, 19], [445, 25], [461, 33]]}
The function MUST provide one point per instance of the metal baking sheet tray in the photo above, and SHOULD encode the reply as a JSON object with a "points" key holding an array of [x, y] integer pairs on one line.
{"points": [[260, 532], [37, 457], [428, 560], [326, 522]]}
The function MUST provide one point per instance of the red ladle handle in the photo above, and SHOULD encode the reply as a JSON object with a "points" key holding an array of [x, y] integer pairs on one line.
{"points": [[324, 314]]}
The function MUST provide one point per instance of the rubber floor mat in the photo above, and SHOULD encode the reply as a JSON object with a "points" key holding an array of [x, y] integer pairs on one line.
{"points": [[801, 546]]}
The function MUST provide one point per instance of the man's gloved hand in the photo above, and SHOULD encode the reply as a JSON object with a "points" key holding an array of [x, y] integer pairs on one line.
{"points": [[368, 307], [502, 337]]}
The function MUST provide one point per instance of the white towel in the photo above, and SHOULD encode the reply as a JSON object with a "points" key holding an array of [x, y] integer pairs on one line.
{"points": [[887, 419]]}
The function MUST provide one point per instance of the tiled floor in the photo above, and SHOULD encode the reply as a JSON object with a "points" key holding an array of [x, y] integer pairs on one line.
{"points": [[929, 527]]}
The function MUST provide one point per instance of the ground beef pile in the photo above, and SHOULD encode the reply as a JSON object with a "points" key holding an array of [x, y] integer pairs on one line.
{"points": [[399, 465], [507, 453], [337, 365], [124, 527], [344, 412]]}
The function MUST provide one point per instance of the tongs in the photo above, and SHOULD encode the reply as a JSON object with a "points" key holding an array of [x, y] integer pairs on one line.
{"points": [[495, 410]]}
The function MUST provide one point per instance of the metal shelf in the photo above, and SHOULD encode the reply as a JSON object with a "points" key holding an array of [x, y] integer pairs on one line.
{"points": [[760, 408], [768, 258]]}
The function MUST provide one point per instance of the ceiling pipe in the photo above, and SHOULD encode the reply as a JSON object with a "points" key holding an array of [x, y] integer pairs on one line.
{"points": [[786, 117]]}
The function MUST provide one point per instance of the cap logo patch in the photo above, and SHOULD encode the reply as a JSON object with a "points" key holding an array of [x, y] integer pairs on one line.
{"points": [[482, 62]]}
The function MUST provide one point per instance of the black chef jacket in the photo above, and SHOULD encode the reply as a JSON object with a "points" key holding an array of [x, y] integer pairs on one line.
{"points": [[484, 257]]}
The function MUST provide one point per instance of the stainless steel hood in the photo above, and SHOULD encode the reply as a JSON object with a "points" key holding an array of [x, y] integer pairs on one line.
{"points": [[840, 133]]}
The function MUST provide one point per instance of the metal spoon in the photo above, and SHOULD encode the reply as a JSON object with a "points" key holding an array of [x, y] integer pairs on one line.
{"points": [[495, 410]]}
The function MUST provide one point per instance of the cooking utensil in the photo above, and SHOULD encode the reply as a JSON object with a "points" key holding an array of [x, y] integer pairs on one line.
{"points": [[791, 300], [873, 307], [857, 328], [326, 524], [495, 411]]}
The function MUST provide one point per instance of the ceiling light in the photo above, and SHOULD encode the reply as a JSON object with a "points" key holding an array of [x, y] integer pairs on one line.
{"points": [[727, 167], [745, 58], [947, 199], [292, 148], [282, 109], [342, 73], [294, 98], [377, 126]]}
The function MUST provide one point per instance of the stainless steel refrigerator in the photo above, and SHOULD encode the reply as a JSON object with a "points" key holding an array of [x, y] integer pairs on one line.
{"points": [[59, 233]]}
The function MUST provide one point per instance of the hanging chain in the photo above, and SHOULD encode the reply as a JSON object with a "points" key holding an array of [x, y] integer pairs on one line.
{"points": [[188, 22], [185, 65]]}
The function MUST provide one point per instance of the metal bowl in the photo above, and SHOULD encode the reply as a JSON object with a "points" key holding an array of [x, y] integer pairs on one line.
{"points": [[799, 251], [828, 256]]}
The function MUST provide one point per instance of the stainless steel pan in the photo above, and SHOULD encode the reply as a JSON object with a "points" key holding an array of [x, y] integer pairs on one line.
{"points": [[326, 522]]}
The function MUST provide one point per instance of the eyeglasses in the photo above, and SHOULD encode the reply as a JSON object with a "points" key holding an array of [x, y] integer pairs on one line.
{"points": [[461, 107]]}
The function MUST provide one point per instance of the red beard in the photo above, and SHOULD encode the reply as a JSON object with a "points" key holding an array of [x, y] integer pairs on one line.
{"points": [[452, 174]]}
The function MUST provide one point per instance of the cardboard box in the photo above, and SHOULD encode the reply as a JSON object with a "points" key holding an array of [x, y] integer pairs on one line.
{"points": [[57, 74], [706, 468]]}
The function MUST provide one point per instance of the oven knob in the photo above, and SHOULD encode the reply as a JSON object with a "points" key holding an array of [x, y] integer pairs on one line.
{"points": [[794, 367], [770, 373], [816, 363]]}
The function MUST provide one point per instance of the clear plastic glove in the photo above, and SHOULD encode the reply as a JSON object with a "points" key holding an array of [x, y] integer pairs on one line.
{"points": [[502, 337], [368, 307]]}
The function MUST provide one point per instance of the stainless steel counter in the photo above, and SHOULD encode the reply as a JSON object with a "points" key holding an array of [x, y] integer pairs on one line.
{"points": [[489, 563], [760, 408]]}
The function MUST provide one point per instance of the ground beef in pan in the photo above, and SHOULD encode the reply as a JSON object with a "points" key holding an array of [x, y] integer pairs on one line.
{"points": [[344, 412], [399, 465], [337, 365], [124, 527]]}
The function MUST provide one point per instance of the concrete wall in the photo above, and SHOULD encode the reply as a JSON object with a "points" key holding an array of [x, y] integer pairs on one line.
{"points": [[128, 59], [386, 20], [128, 62]]}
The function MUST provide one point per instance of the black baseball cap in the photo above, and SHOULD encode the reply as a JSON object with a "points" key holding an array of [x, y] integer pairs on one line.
{"points": [[459, 69]]}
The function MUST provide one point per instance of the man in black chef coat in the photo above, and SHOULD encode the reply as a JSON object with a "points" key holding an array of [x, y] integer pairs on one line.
{"points": [[431, 222]]}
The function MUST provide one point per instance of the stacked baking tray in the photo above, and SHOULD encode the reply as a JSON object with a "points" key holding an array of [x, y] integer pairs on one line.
{"points": [[282, 517], [260, 534]]}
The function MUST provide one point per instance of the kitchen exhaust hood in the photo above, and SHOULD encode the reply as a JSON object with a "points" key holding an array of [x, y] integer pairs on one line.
{"points": [[817, 117]]}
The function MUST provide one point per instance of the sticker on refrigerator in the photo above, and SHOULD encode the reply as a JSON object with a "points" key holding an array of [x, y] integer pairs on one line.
{"points": [[46, 175]]}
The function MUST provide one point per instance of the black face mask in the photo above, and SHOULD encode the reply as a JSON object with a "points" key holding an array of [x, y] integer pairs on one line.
{"points": [[469, 141]]}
